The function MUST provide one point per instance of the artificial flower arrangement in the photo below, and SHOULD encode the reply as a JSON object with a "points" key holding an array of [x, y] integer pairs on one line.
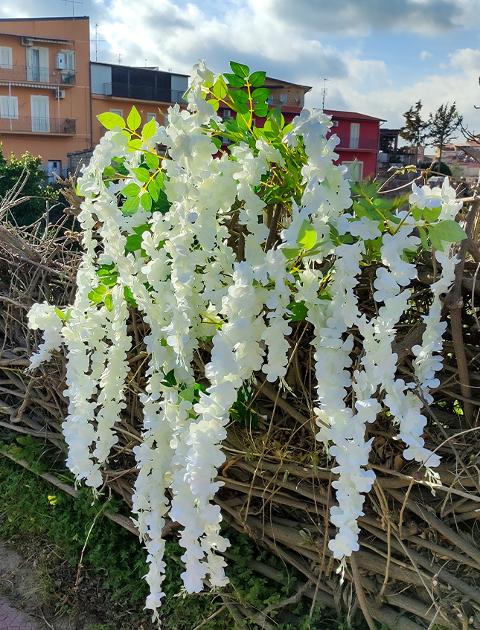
{"points": [[224, 249]]}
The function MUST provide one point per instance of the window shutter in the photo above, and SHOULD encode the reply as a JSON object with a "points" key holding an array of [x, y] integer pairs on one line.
{"points": [[5, 57], [8, 107], [354, 135], [69, 59]]}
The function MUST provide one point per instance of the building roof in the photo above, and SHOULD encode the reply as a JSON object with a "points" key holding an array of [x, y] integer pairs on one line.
{"points": [[39, 19], [152, 69], [306, 88], [340, 114]]}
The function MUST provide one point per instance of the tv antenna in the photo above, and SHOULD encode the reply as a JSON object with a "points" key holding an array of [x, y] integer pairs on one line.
{"points": [[73, 3], [96, 41], [324, 91]]}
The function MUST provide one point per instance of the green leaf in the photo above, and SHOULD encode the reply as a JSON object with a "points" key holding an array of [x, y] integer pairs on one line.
{"points": [[97, 295], [261, 110], [260, 94], [149, 129], [233, 80], [214, 103], [134, 120], [291, 252], [153, 190], [111, 121], [128, 295], [146, 201], [134, 241], [220, 89], [307, 236], [152, 160], [131, 190], [108, 172], [431, 214], [298, 311], [134, 145], [257, 79], [60, 314], [449, 231], [142, 174], [108, 275], [108, 301], [131, 205], [423, 237], [162, 204], [239, 69]]}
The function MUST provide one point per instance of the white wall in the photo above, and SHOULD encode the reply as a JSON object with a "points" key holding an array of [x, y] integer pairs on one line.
{"points": [[100, 76]]}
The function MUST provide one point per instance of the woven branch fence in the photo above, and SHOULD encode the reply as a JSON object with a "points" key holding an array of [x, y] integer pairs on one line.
{"points": [[419, 559]]}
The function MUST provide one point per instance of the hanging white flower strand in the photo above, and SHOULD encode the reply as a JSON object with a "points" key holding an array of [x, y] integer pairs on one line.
{"points": [[158, 235]]}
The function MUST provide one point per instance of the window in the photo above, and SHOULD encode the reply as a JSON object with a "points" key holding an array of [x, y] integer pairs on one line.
{"points": [[151, 116], [69, 59], [117, 111], [40, 113], [6, 58], [283, 98], [37, 64], [8, 107], [355, 170], [354, 135]]}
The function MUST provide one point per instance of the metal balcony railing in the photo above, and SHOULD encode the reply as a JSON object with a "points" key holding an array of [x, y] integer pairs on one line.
{"points": [[142, 92], [284, 100], [38, 125], [36, 74]]}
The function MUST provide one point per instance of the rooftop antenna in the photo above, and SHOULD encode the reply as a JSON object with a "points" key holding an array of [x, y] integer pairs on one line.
{"points": [[96, 41], [73, 3], [324, 91], [119, 58]]}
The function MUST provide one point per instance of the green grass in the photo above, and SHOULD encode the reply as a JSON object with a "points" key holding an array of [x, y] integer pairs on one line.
{"points": [[34, 514]]}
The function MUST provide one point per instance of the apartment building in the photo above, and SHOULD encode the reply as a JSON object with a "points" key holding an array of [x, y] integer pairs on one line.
{"points": [[45, 104], [50, 92], [116, 88]]}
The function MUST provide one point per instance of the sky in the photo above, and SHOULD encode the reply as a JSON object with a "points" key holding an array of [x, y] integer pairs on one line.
{"points": [[378, 56]]}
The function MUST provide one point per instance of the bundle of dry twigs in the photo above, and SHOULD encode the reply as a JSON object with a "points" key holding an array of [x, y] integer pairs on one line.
{"points": [[419, 562]]}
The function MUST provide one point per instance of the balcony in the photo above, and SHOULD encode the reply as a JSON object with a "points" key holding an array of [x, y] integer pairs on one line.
{"points": [[36, 75], [41, 126], [142, 92]]}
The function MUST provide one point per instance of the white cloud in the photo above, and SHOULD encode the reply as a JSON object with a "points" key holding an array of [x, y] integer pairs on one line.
{"points": [[425, 55], [458, 82]]}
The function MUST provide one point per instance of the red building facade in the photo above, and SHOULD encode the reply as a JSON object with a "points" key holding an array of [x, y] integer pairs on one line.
{"points": [[359, 141]]}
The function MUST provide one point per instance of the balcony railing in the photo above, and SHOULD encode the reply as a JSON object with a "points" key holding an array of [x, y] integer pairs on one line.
{"points": [[39, 125], [142, 92], [36, 74], [284, 100]]}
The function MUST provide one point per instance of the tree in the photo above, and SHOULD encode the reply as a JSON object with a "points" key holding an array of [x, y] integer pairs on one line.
{"points": [[442, 126], [415, 129], [11, 170]]}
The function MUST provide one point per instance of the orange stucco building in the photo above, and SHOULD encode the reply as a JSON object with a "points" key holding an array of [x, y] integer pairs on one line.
{"points": [[45, 103], [50, 92]]}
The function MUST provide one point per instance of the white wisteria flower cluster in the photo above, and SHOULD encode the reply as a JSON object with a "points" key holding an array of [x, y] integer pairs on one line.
{"points": [[158, 237]]}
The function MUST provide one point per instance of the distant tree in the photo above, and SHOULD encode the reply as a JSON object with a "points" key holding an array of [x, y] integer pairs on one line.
{"points": [[415, 129], [11, 170], [436, 167], [442, 126]]}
